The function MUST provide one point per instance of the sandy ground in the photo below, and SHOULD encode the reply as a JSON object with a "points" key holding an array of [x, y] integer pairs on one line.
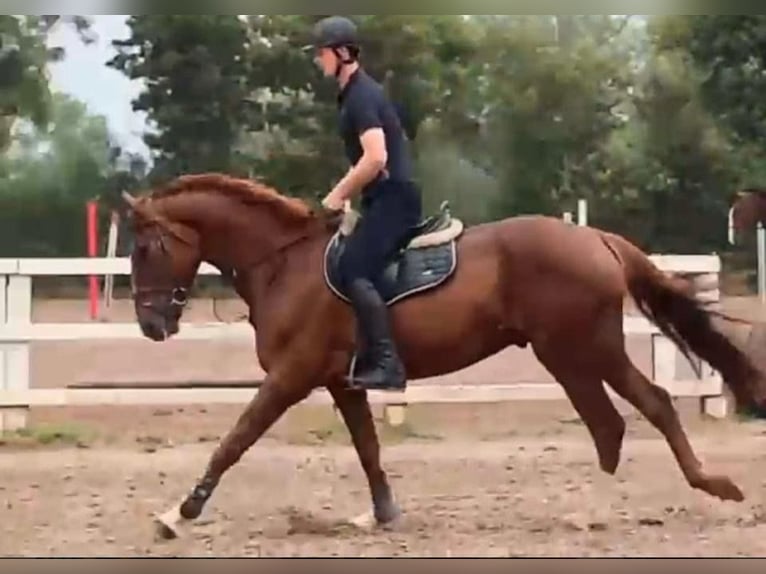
{"points": [[499, 480], [494, 480]]}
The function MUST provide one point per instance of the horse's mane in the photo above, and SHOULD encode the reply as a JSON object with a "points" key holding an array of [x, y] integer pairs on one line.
{"points": [[249, 191]]}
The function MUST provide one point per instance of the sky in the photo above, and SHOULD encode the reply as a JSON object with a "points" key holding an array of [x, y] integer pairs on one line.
{"points": [[106, 91]]}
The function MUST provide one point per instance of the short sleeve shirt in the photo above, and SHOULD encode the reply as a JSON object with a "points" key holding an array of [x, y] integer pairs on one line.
{"points": [[364, 105]]}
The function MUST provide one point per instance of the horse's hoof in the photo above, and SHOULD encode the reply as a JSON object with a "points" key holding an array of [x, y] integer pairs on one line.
{"points": [[163, 531], [365, 522], [387, 513], [368, 521], [168, 525], [725, 489]]}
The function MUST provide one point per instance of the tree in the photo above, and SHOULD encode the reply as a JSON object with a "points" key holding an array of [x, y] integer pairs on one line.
{"points": [[419, 60], [551, 105], [197, 76], [688, 157], [24, 56], [48, 175], [507, 114]]}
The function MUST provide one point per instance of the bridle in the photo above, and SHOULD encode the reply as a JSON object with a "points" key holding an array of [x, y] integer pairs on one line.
{"points": [[178, 295]]}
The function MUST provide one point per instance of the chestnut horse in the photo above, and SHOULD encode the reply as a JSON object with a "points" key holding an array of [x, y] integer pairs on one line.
{"points": [[747, 210], [457, 296]]}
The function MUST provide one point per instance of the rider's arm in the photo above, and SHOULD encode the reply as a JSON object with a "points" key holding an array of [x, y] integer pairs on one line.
{"points": [[371, 163], [369, 125]]}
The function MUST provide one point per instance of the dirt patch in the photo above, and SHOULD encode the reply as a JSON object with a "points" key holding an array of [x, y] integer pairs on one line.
{"points": [[500, 480]]}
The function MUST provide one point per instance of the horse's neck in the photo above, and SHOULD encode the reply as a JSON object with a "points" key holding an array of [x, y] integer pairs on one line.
{"points": [[234, 236], [265, 288], [260, 245]]}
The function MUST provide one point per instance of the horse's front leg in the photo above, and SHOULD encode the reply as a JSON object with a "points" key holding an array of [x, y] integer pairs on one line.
{"points": [[277, 394], [356, 412]]}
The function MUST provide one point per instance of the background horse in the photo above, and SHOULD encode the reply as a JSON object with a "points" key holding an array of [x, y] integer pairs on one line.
{"points": [[457, 296], [747, 210]]}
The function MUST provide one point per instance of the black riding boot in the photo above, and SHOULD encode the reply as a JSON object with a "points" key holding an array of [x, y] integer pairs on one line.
{"points": [[382, 369]]}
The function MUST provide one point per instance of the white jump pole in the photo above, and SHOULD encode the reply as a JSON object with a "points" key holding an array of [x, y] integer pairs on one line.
{"points": [[111, 252]]}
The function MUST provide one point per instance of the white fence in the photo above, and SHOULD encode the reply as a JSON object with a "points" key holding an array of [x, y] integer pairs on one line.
{"points": [[18, 332]]}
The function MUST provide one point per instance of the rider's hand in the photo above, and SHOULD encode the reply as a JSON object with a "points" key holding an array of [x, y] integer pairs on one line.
{"points": [[332, 202]]}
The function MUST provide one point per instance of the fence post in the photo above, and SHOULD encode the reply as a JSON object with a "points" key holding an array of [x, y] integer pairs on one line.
{"points": [[3, 300], [761, 238], [708, 288], [15, 363], [663, 358], [582, 212], [3, 346]]}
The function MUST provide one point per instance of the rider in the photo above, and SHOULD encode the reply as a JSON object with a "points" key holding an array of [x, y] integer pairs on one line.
{"points": [[390, 201]]}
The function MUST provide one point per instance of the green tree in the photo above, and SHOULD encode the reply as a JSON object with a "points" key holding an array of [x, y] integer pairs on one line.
{"points": [[197, 76], [24, 56], [686, 154], [419, 60], [48, 175], [552, 103]]}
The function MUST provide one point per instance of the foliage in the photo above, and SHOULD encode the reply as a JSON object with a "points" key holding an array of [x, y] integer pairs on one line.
{"points": [[654, 120], [24, 55], [47, 176], [197, 79]]}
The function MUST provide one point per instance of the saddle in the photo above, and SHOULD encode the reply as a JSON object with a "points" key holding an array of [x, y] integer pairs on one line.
{"points": [[426, 259]]}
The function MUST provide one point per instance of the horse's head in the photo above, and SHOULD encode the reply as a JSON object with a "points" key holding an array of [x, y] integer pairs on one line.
{"points": [[748, 208], [164, 262], [196, 218]]}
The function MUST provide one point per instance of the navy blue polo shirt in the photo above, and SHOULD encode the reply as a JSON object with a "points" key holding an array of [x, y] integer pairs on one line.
{"points": [[364, 105]]}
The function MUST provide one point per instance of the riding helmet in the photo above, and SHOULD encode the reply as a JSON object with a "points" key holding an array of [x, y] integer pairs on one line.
{"points": [[335, 32]]}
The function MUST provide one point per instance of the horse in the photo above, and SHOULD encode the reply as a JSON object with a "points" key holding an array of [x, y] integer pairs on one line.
{"points": [[748, 208], [457, 294]]}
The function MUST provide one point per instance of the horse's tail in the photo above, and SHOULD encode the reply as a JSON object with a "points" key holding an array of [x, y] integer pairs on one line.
{"points": [[669, 302]]}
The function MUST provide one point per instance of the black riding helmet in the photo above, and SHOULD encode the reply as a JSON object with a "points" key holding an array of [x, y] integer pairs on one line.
{"points": [[336, 32]]}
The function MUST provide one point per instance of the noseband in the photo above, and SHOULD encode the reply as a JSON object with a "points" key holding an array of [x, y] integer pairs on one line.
{"points": [[179, 296]]}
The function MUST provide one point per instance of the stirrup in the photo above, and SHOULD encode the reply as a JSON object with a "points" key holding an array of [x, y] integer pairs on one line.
{"points": [[354, 379]]}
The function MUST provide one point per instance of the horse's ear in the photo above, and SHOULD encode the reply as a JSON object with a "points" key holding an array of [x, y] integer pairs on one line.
{"points": [[129, 199], [136, 205]]}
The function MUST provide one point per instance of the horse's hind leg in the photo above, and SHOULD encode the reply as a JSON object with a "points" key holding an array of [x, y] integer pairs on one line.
{"points": [[585, 390], [655, 404]]}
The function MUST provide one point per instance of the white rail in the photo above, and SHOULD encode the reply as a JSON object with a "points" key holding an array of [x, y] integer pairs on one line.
{"points": [[18, 332]]}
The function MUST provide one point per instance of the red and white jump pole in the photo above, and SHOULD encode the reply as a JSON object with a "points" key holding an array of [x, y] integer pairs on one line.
{"points": [[92, 231]]}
